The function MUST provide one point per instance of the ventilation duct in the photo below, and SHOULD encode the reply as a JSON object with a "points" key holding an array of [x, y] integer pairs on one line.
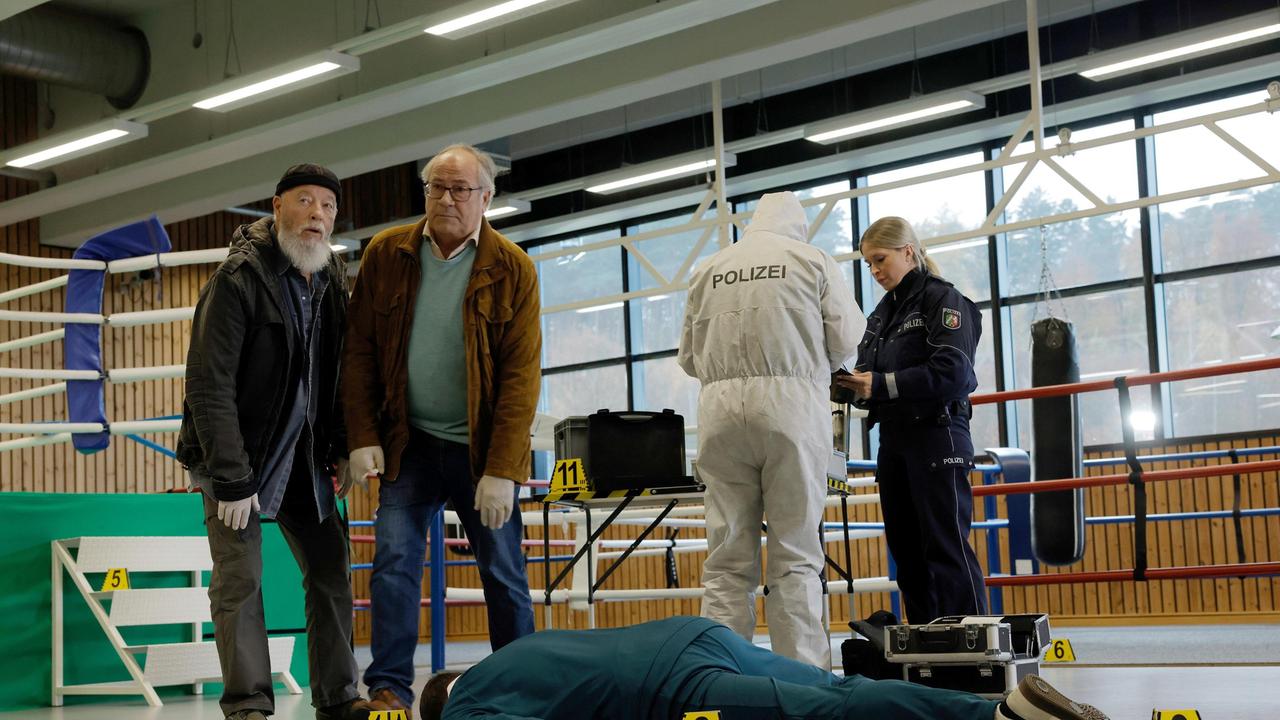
{"points": [[76, 51]]}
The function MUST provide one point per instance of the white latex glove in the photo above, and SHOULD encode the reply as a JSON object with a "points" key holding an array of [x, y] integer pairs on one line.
{"points": [[364, 463], [235, 513], [494, 499], [344, 478]]}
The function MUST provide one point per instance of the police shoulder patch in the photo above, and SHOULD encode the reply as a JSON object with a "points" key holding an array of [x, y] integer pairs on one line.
{"points": [[950, 319]]}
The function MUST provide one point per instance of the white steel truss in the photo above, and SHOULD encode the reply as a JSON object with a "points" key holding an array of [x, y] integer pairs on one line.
{"points": [[1032, 125]]}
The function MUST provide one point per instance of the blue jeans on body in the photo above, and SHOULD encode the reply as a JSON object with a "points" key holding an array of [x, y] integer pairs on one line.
{"points": [[433, 471]]}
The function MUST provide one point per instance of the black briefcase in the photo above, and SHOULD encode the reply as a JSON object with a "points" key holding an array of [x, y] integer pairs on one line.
{"points": [[635, 450]]}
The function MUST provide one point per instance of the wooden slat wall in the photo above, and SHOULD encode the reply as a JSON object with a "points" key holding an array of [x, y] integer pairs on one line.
{"points": [[1108, 547]]}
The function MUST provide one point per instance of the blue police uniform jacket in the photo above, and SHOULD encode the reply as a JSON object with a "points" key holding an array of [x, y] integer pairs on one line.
{"points": [[628, 673], [919, 345]]}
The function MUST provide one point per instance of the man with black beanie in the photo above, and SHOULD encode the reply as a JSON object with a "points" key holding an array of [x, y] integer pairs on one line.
{"points": [[262, 434]]}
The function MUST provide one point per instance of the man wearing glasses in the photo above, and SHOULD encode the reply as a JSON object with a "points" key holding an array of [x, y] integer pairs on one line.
{"points": [[440, 381]]}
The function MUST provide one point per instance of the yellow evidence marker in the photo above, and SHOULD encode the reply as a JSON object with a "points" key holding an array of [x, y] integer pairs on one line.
{"points": [[702, 715], [1060, 652], [116, 579], [388, 715], [568, 476], [1175, 715]]}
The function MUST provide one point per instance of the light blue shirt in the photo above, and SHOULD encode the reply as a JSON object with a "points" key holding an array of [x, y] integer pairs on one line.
{"points": [[437, 354]]}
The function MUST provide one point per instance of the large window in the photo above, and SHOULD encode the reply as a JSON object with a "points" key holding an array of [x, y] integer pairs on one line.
{"points": [[936, 208], [836, 232], [1224, 319], [582, 392], [604, 353], [1111, 340], [985, 424], [1223, 227], [1077, 252], [656, 320], [592, 332]]}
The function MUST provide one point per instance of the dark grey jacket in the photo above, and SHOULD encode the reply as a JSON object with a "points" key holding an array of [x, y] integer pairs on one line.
{"points": [[245, 362]]}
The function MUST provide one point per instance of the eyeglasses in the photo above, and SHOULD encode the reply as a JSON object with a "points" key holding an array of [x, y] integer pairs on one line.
{"points": [[459, 193]]}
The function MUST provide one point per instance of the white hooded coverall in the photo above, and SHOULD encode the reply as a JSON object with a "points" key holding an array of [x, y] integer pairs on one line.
{"points": [[768, 320]]}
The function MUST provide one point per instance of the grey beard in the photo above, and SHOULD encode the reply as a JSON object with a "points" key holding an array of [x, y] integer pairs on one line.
{"points": [[306, 258]]}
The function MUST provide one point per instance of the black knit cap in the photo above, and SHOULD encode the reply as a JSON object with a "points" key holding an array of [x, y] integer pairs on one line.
{"points": [[310, 174]]}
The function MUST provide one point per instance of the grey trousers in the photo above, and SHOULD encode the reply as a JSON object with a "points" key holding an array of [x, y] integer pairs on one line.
{"points": [[235, 597]]}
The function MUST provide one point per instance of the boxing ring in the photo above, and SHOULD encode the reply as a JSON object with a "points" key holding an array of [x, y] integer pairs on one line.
{"points": [[1008, 547], [145, 247], [1008, 542]]}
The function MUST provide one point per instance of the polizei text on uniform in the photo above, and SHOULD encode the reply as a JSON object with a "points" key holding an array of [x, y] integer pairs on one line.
{"points": [[758, 272]]}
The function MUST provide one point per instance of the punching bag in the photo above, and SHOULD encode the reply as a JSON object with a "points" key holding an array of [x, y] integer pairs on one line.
{"points": [[1057, 518]]}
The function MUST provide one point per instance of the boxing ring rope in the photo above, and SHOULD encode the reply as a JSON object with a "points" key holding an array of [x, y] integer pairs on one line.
{"points": [[474, 596], [33, 340], [133, 264], [1130, 380], [1125, 479], [56, 432], [1138, 478]]}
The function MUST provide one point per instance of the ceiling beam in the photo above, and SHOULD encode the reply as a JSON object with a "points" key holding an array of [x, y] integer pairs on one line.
{"points": [[651, 53], [12, 7]]}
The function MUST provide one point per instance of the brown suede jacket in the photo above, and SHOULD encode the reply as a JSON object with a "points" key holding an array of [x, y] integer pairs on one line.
{"points": [[503, 341]]}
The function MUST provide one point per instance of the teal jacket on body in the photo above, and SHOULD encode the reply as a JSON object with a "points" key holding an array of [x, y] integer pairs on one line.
{"points": [[616, 674]]}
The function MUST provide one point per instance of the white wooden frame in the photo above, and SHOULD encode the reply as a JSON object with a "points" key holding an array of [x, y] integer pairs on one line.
{"points": [[167, 663]]}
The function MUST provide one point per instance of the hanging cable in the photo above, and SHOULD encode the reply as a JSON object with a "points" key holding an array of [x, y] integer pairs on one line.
{"points": [[196, 38], [1047, 290], [376, 10], [917, 83], [1095, 34], [231, 43]]}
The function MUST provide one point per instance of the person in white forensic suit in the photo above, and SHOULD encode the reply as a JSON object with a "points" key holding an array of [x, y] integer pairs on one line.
{"points": [[768, 320]]}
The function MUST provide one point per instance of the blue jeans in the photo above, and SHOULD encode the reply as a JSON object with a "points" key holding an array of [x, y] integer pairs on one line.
{"points": [[433, 471]]}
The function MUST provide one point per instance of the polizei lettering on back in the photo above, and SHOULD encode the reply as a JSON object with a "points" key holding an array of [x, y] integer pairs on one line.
{"points": [[758, 272]]}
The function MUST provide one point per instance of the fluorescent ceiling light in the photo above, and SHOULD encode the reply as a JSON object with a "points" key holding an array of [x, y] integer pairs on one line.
{"points": [[673, 167], [254, 87], [478, 16], [507, 206], [64, 146], [899, 114], [1181, 46]]}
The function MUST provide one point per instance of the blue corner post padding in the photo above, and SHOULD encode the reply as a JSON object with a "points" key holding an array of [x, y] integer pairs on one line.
{"points": [[83, 343], [1015, 465]]}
